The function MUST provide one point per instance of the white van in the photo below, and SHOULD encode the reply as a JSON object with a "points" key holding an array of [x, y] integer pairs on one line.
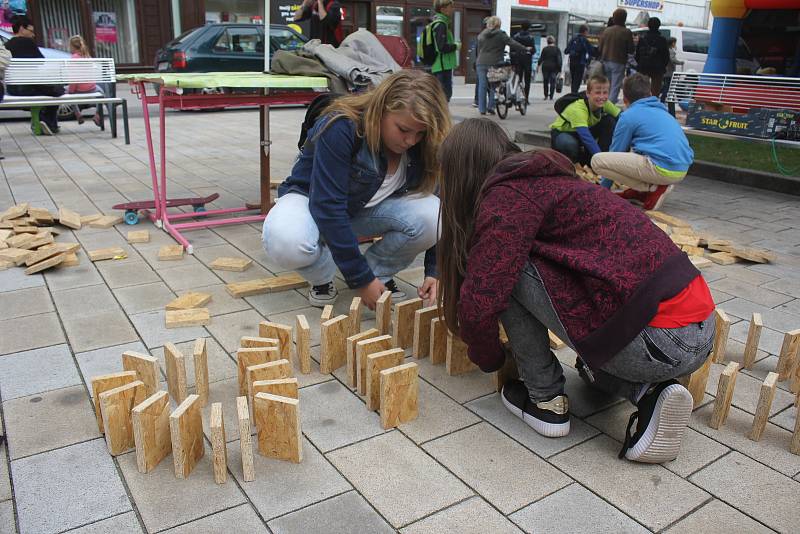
{"points": [[692, 47]]}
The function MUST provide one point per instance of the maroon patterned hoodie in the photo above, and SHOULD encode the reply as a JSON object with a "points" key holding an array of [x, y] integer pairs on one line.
{"points": [[605, 265]]}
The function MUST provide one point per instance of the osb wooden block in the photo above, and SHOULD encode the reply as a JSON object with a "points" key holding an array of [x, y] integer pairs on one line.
{"points": [[86, 219], [151, 431], [667, 219], [14, 212], [278, 422], [187, 301], [399, 395], [231, 264], [106, 382], [192, 317], [722, 258], [70, 219], [186, 431], [111, 253], [46, 264], [115, 408], [70, 260], [266, 285], [138, 236], [170, 253], [106, 221], [17, 256], [700, 262]]}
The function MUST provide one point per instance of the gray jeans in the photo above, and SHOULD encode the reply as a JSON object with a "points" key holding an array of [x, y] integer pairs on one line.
{"points": [[655, 355]]}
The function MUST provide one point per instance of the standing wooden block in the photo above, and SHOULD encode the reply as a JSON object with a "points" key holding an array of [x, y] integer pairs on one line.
{"points": [[399, 393], [253, 356], [237, 265], [176, 373], [506, 373], [764, 404], [280, 332], [376, 363], [456, 360], [383, 313], [115, 407], [333, 343], [151, 431], [186, 430], [697, 381], [788, 356], [105, 221], [438, 348], [170, 253], [421, 344], [403, 324], [249, 342], [267, 371], [327, 313], [283, 387], [219, 449], [146, 368], [753, 337], [192, 317], [69, 218], [245, 439], [794, 448], [200, 354], [187, 301], [104, 383], [303, 344], [722, 404], [138, 236], [355, 316], [278, 421], [363, 349], [352, 369], [723, 324]]}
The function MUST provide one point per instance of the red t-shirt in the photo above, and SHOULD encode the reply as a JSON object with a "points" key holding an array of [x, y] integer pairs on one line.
{"points": [[692, 305]]}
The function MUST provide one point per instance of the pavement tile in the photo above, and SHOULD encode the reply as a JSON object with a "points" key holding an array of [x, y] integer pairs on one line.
{"points": [[188, 276], [753, 293], [143, 298], [770, 340], [772, 449], [773, 319], [494, 459], [14, 279], [472, 516], [556, 513], [82, 275], [123, 274], [104, 361], [401, 481], [342, 514], [650, 494], [491, 409], [17, 333], [241, 518], [119, 524], [585, 400], [281, 487], [100, 330], [7, 525], [31, 301], [164, 501], [438, 415], [753, 489], [786, 418], [229, 329], [48, 420], [220, 365], [762, 368], [35, 371], [5, 477], [280, 302], [332, 416], [67, 488], [221, 301], [84, 302], [152, 327], [461, 388], [747, 391], [716, 517], [787, 286]]}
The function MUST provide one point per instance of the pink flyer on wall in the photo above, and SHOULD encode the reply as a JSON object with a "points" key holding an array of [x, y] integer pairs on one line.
{"points": [[105, 27]]}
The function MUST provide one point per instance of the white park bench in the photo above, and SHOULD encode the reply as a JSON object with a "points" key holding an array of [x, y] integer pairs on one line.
{"points": [[65, 72]]}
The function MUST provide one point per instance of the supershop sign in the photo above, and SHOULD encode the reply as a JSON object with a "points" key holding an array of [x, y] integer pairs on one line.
{"points": [[647, 5]]}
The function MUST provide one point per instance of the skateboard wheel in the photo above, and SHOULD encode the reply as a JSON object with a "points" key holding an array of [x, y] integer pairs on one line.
{"points": [[199, 208], [131, 217]]}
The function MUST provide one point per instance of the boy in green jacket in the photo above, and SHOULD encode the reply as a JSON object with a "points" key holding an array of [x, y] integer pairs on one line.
{"points": [[446, 47]]}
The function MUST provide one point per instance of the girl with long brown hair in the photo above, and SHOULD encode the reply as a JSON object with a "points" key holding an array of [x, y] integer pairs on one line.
{"points": [[79, 50], [368, 168], [527, 243]]}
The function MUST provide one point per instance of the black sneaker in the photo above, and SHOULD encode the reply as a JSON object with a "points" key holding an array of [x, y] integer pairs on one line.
{"points": [[322, 295], [662, 417], [549, 418], [398, 295]]}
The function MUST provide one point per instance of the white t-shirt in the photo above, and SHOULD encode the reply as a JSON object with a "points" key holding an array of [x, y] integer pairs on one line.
{"points": [[390, 184]]}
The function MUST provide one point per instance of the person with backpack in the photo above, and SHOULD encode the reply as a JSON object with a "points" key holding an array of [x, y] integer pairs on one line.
{"points": [[580, 52], [522, 61], [492, 44], [367, 168], [649, 152], [585, 122], [652, 55], [616, 43], [529, 245], [438, 48], [326, 20], [551, 63]]}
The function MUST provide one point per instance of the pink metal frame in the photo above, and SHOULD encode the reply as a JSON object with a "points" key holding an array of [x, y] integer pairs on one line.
{"points": [[170, 98]]}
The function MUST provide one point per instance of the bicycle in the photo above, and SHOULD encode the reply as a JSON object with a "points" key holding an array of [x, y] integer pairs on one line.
{"points": [[508, 90]]}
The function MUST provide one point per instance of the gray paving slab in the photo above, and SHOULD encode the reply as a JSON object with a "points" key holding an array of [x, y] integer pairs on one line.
{"points": [[770, 340], [100, 330], [220, 365], [48, 420], [753, 293], [585, 400], [82, 275], [650, 494], [438, 415], [493, 461], [104, 361], [240, 518], [402, 482], [471, 516], [7, 524], [742, 483], [67, 488], [786, 418], [84, 302], [152, 328], [122, 274], [36, 371], [187, 276], [275, 303], [14, 279], [461, 388], [773, 319], [5, 476], [342, 514], [17, 333], [491, 409], [221, 301], [164, 501], [281, 487], [119, 524], [229, 329], [716, 517], [144, 298], [31, 301], [574, 509], [787, 286]]}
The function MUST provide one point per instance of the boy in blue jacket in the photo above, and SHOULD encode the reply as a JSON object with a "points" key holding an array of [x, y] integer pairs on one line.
{"points": [[649, 151]]}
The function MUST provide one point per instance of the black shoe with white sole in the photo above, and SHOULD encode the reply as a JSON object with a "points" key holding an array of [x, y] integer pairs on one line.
{"points": [[322, 295], [662, 417], [549, 417]]}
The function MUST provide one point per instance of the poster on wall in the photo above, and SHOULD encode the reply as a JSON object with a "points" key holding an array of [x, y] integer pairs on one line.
{"points": [[282, 12], [647, 5], [10, 9], [105, 27]]}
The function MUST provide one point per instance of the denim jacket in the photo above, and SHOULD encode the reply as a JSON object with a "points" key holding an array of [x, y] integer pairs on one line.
{"points": [[339, 184]]}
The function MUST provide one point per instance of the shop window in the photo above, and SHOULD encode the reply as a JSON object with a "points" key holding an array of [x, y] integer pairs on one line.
{"points": [[60, 20], [115, 33], [389, 20]]}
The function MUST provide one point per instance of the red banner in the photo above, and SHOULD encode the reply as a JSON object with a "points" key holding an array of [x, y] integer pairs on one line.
{"points": [[537, 3]]}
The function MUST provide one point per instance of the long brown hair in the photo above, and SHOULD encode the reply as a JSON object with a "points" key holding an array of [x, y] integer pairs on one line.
{"points": [[467, 156], [77, 44], [408, 90]]}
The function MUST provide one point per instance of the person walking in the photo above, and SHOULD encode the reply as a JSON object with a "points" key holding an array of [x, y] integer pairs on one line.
{"points": [[551, 62], [652, 55], [326, 20], [673, 62], [446, 47], [492, 43], [616, 43], [523, 61], [580, 52]]}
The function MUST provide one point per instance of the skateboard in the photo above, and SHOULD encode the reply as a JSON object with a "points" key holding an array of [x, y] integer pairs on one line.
{"points": [[132, 208]]}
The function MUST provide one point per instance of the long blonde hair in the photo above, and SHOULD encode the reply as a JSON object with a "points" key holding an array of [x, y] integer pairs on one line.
{"points": [[407, 90], [77, 44]]}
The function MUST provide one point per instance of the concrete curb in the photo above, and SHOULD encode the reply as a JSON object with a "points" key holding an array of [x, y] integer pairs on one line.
{"points": [[789, 185]]}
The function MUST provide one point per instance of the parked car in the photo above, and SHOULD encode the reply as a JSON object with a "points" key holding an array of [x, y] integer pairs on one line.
{"points": [[225, 47], [50, 53]]}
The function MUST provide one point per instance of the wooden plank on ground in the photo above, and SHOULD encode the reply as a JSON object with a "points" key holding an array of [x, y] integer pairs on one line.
{"points": [[187, 301], [667, 219], [383, 313], [219, 448], [438, 348], [245, 439], [236, 265], [109, 253], [20, 241], [106, 382], [352, 369], [176, 373], [14, 212], [106, 221], [722, 403], [192, 317], [138, 236], [200, 356], [281, 332], [399, 394], [753, 337], [115, 408], [86, 219], [69, 218], [788, 355], [186, 431], [723, 327], [42, 216], [376, 363], [266, 285], [146, 368], [278, 422], [700, 262], [303, 343], [403, 322], [46, 264], [722, 258], [456, 360], [170, 253], [151, 431], [247, 357], [765, 399], [333, 343], [17, 256], [363, 349], [421, 343]]}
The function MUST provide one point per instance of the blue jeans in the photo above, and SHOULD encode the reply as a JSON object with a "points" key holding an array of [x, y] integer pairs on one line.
{"points": [[408, 225], [445, 78], [483, 88], [615, 72]]}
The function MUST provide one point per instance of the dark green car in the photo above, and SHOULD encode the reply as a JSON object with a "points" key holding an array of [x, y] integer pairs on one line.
{"points": [[225, 47]]}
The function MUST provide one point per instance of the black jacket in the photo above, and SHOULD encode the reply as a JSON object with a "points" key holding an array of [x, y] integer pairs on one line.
{"points": [[652, 53], [550, 59]]}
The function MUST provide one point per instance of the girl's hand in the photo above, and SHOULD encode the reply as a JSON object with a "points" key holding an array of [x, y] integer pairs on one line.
{"points": [[371, 292], [427, 291]]}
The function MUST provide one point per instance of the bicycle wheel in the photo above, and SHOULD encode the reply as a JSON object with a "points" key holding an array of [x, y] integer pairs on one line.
{"points": [[522, 102], [501, 104]]}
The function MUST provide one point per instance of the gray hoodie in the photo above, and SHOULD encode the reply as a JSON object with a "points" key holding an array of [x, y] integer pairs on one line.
{"points": [[492, 44]]}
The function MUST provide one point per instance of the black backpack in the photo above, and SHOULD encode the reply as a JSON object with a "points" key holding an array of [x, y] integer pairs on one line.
{"points": [[313, 112], [647, 53], [577, 49], [561, 104]]}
